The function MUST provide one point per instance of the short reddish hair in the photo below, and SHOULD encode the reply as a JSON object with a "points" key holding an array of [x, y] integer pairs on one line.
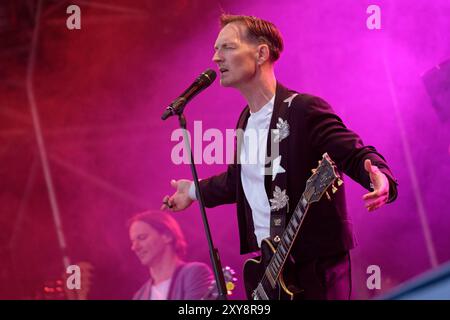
{"points": [[258, 30], [163, 223]]}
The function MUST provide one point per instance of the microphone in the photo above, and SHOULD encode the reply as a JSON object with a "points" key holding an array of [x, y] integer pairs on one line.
{"points": [[202, 82]]}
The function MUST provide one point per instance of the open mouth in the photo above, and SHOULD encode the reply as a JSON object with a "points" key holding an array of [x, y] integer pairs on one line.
{"points": [[223, 70]]}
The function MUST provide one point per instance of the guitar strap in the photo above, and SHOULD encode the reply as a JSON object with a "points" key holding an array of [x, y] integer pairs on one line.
{"points": [[277, 163]]}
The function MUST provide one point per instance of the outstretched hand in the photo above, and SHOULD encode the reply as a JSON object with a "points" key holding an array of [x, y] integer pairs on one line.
{"points": [[180, 200], [380, 194]]}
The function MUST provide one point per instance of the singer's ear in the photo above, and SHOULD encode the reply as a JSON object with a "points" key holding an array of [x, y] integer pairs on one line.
{"points": [[262, 54]]}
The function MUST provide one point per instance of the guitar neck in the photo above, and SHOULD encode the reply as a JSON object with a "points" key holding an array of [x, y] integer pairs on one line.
{"points": [[278, 260]]}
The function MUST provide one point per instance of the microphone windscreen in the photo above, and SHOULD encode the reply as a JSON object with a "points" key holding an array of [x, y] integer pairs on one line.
{"points": [[209, 76]]}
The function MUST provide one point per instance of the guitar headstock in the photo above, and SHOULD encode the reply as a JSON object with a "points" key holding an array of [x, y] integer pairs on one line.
{"points": [[323, 178]]}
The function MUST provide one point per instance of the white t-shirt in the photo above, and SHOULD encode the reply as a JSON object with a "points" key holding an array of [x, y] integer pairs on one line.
{"points": [[253, 155], [161, 290]]}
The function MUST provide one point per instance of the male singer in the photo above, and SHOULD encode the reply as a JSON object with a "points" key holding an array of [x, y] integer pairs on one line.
{"points": [[305, 127]]}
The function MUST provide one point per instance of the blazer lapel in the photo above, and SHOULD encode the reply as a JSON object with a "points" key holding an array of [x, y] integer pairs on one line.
{"points": [[275, 180]]}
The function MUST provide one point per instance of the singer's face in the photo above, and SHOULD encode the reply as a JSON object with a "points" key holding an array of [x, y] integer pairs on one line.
{"points": [[235, 56]]}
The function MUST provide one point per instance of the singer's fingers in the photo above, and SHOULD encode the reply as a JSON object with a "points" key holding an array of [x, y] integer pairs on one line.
{"points": [[167, 203], [368, 165], [370, 168], [376, 204], [164, 206], [371, 195]]}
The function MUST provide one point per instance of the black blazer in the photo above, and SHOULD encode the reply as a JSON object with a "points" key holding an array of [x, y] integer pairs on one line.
{"points": [[314, 130]]}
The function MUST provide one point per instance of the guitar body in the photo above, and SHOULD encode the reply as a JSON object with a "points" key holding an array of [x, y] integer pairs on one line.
{"points": [[254, 271]]}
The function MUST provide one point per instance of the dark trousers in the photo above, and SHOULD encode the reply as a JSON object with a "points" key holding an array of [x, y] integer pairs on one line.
{"points": [[324, 278]]}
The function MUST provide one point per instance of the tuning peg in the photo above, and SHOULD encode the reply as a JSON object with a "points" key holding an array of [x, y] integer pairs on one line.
{"points": [[328, 196], [339, 182], [333, 188], [313, 170], [230, 286]]}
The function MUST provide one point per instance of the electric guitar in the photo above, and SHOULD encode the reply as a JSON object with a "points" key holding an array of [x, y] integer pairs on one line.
{"points": [[263, 278]]}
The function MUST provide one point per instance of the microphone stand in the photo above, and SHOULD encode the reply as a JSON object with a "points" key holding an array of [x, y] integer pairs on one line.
{"points": [[213, 252]]}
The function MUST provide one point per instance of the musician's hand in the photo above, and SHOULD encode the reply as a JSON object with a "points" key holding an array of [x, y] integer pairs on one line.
{"points": [[180, 200], [380, 194]]}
